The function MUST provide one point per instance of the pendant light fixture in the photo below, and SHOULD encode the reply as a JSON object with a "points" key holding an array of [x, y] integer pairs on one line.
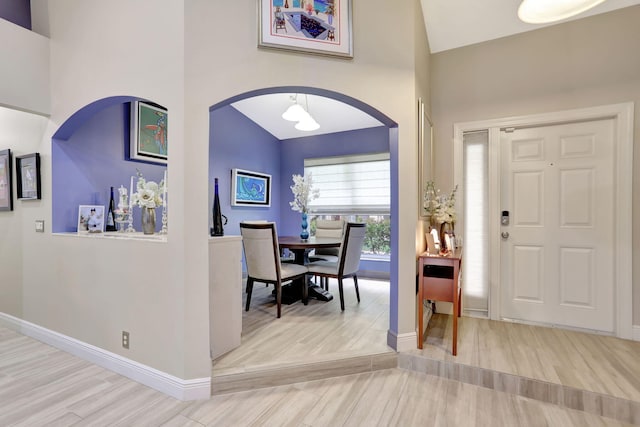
{"points": [[300, 114], [546, 11], [295, 110]]}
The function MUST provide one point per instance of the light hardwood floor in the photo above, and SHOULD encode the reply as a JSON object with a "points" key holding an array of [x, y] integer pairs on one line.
{"points": [[596, 363], [42, 386], [504, 374], [592, 373], [317, 332]]}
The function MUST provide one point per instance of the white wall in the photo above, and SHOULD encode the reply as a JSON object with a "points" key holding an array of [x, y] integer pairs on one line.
{"points": [[21, 133], [585, 63], [24, 74], [223, 60], [188, 56], [89, 289]]}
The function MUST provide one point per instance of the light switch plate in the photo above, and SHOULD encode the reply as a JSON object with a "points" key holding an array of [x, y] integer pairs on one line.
{"points": [[40, 225]]}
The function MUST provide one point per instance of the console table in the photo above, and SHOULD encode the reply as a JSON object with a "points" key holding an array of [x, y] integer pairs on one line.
{"points": [[438, 280]]}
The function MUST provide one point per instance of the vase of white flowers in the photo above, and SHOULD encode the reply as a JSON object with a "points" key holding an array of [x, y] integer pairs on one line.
{"points": [[147, 197], [303, 194], [441, 210]]}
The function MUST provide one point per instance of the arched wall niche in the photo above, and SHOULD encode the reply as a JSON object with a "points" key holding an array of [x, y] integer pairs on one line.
{"points": [[288, 221], [88, 157]]}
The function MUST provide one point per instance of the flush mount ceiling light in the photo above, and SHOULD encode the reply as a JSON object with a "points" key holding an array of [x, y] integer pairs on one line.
{"points": [[545, 11], [300, 114]]}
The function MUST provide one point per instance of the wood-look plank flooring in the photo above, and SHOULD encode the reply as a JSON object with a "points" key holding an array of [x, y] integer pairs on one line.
{"points": [[596, 363], [42, 386], [317, 332]]}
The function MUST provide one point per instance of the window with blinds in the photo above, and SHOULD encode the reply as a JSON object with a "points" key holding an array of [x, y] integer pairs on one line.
{"points": [[475, 274], [358, 184]]}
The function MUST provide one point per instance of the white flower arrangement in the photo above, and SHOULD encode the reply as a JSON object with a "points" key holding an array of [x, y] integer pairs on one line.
{"points": [[303, 193], [438, 207], [147, 193]]}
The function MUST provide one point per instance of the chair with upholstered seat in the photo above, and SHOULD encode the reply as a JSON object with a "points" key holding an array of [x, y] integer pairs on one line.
{"points": [[262, 257], [327, 228], [348, 259]]}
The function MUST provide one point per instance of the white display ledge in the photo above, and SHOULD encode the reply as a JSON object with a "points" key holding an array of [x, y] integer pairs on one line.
{"points": [[118, 236], [222, 239]]}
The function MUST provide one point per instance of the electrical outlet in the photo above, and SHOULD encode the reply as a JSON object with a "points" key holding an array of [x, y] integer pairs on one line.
{"points": [[125, 339]]}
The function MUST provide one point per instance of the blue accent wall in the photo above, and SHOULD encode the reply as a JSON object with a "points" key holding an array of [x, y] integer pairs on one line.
{"points": [[294, 151], [237, 142], [16, 11], [90, 161]]}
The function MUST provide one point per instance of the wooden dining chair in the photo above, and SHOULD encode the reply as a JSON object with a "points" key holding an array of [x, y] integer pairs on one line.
{"points": [[262, 257], [348, 260]]}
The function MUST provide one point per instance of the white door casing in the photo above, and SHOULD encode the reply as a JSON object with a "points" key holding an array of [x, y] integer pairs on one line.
{"points": [[557, 261], [622, 115]]}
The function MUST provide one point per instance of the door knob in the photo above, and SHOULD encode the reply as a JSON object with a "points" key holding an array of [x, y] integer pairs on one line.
{"points": [[505, 235]]}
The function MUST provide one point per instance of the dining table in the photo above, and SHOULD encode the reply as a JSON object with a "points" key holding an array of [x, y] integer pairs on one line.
{"points": [[301, 249]]}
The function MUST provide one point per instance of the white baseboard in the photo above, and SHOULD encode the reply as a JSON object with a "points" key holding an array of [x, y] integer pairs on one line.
{"points": [[193, 389], [401, 342], [636, 332]]}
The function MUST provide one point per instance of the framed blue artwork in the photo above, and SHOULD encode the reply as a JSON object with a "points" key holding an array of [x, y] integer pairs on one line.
{"points": [[250, 188]]}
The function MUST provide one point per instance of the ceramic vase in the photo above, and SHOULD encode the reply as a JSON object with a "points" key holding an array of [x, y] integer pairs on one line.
{"points": [[304, 235]]}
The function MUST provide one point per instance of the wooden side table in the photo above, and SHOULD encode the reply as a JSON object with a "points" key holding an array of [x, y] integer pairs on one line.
{"points": [[439, 281]]}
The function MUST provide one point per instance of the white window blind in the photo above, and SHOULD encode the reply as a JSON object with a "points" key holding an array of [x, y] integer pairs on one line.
{"points": [[351, 184], [475, 274]]}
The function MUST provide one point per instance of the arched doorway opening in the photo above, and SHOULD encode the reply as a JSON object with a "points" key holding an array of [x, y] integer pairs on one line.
{"points": [[222, 116]]}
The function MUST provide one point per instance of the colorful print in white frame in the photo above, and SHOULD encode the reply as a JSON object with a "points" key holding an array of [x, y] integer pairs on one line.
{"points": [[322, 27]]}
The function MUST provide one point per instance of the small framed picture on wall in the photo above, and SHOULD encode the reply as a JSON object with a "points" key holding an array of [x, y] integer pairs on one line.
{"points": [[6, 189], [28, 177]]}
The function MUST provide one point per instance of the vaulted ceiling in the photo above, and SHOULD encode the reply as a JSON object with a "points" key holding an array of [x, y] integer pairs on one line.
{"points": [[450, 24]]}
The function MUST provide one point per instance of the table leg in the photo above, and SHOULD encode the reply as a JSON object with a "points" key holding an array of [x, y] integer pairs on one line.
{"points": [[420, 303], [311, 290]]}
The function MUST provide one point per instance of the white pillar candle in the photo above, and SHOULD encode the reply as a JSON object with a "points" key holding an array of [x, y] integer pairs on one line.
{"points": [[164, 194], [131, 194]]}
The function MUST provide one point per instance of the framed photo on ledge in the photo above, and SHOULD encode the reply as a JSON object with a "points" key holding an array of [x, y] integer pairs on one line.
{"points": [[149, 127], [28, 174], [317, 27], [250, 188], [6, 189], [90, 219]]}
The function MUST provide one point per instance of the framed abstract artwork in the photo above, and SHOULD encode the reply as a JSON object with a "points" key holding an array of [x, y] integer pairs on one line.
{"points": [[6, 189], [312, 26], [250, 188], [28, 176], [149, 130]]}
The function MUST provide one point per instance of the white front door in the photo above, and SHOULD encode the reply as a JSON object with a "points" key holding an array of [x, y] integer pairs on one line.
{"points": [[557, 252]]}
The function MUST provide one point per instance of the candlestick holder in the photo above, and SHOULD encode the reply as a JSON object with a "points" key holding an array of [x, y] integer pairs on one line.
{"points": [[164, 229], [130, 228], [122, 219]]}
